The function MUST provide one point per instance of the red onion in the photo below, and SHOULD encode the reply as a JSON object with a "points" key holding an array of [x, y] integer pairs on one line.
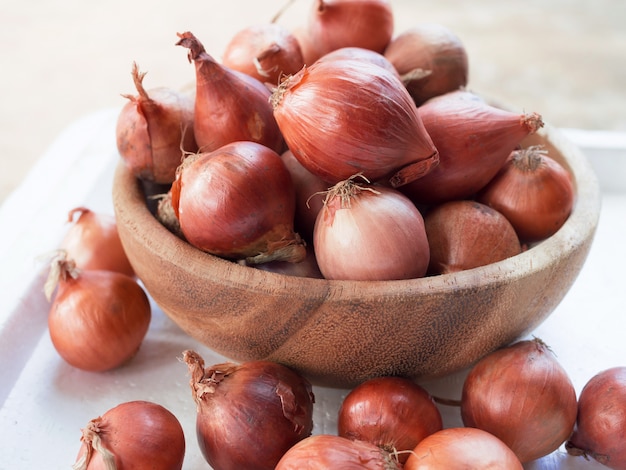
{"points": [[343, 117], [367, 232], [238, 202], [600, 430], [249, 414], [393, 413], [523, 396], [474, 140], [133, 435]]}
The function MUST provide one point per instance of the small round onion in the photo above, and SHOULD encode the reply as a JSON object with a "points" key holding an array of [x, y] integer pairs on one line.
{"points": [[523, 396], [93, 242], [238, 202], [133, 435], [369, 232], [460, 447], [266, 51], [98, 319], [326, 451], [533, 191], [600, 430], [393, 413], [467, 234], [359, 53], [249, 414], [430, 59]]}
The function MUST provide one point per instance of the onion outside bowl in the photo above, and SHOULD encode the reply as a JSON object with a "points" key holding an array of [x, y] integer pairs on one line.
{"points": [[341, 333]]}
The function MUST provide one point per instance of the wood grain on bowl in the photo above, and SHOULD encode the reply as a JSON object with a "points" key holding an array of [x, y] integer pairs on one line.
{"points": [[340, 333]]}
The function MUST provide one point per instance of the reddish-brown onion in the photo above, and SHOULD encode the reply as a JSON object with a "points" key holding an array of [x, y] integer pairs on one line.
{"points": [[600, 430], [98, 319], [93, 242], [238, 202], [266, 51], [474, 140], [430, 59], [249, 414], [367, 232], [309, 200], [154, 129], [138, 435], [467, 234], [343, 117], [326, 451], [533, 191], [523, 396], [359, 53], [333, 24], [230, 106], [393, 413], [460, 447]]}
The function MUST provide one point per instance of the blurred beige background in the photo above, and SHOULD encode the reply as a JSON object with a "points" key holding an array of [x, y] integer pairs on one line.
{"points": [[62, 59]]}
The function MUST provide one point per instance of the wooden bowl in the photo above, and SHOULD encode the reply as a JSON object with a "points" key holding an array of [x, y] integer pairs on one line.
{"points": [[340, 333]]}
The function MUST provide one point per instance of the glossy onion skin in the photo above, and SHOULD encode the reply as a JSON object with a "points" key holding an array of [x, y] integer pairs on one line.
{"points": [[326, 451], [344, 117], [333, 24], [376, 235], [467, 234], [229, 106], [462, 448], [431, 59], [600, 430], [153, 130], [534, 192], [474, 140], [249, 414], [238, 202], [98, 320], [141, 435], [393, 413], [266, 51], [93, 242], [523, 396]]}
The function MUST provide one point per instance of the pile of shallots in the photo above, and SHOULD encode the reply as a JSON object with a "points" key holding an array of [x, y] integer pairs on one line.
{"points": [[343, 150]]}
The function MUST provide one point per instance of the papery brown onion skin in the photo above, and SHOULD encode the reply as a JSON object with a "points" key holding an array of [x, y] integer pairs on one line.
{"points": [[266, 51], [393, 413], [309, 195], [474, 140], [249, 414], [238, 202], [523, 396], [431, 60], [460, 447], [359, 53], [369, 233], [154, 129], [229, 106], [333, 24], [94, 243], [533, 191], [600, 430], [466, 234], [97, 319], [326, 451], [343, 117], [140, 435]]}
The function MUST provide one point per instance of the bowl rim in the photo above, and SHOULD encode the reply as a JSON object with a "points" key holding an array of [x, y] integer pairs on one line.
{"points": [[130, 206]]}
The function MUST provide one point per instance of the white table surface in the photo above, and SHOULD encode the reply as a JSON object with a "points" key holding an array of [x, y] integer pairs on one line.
{"points": [[45, 402]]}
